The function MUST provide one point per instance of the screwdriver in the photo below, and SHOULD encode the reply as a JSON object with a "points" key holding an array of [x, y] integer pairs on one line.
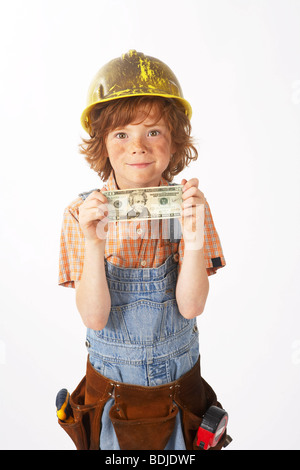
{"points": [[63, 407]]}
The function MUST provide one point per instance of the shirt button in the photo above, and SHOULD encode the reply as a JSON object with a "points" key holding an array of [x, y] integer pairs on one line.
{"points": [[176, 257], [139, 231], [143, 263]]}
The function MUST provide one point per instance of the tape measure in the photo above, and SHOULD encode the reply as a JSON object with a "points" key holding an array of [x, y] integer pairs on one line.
{"points": [[212, 427]]}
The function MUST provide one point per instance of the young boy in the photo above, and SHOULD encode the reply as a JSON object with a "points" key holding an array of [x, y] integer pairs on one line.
{"points": [[139, 288]]}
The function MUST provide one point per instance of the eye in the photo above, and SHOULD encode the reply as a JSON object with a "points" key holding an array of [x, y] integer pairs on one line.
{"points": [[121, 135], [154, 133]]}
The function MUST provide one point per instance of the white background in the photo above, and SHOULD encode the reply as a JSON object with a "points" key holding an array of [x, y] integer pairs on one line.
{"points": [[238, 64]]}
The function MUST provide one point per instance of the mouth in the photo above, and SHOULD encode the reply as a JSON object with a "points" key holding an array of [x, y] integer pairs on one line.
{"points": [[139, 165]]}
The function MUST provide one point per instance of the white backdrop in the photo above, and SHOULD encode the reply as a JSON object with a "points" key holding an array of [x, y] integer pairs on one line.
{"points": [[238, 64]]}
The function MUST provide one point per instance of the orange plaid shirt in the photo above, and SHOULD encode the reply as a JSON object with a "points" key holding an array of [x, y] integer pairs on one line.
{"points": [[133, 244]]}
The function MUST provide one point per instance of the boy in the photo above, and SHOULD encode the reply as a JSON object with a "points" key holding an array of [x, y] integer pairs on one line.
{"points": [[139, 293]]}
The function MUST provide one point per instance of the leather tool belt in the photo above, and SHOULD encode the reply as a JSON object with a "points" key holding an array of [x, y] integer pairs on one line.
{"points": [[143, 417]]}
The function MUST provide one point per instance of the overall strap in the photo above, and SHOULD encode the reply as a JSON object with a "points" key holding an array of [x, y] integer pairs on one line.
{"points": [[86, 194]]}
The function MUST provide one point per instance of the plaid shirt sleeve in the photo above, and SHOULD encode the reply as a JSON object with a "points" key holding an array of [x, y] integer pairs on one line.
{"points": [[213, 252], [71, 256]]}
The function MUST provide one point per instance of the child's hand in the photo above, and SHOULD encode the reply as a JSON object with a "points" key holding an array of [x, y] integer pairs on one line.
{"points": [[192, 219], [93, 217]]}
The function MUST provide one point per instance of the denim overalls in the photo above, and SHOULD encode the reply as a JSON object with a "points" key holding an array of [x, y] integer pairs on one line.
{"points": [[146, 340], [143, 381]]}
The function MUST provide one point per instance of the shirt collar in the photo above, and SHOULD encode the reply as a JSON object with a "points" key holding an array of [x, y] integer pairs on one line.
{"points": [[111, 184]]}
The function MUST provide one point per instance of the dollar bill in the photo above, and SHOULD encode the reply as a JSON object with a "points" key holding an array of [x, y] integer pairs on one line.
{"points": [[162, 202]]}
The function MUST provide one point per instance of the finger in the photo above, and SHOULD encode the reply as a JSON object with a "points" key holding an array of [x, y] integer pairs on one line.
{"points": [[190, 183], [92, 214], [192, 191], [191, 201], [97, 195], [92, 204], [102, 209], [102, 228], [194, 211], [188, 212], [193, 194]]}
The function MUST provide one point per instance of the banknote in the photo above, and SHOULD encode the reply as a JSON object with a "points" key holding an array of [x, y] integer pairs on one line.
{"points": [[162, 202]]}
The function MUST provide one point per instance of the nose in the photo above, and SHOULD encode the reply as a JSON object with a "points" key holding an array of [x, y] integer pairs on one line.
{"points": [[138, 147]]}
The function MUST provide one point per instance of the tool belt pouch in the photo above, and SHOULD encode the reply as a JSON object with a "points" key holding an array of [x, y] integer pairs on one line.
{"points": [[194, 396], [87, 407], [143, 418], [193, 409]]}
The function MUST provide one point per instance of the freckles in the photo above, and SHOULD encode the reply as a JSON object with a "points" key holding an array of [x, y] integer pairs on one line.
{"points": [[164, 148], [114, 149]]}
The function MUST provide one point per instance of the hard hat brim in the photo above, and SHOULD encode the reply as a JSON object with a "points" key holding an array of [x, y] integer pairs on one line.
{"points": [[85, 115]]}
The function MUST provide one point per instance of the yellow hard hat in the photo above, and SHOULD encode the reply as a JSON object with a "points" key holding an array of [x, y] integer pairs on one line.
{"points": [[133, 74]]}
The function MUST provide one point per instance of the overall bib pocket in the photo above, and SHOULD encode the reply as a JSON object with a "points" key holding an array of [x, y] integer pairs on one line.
{"points": [[143, 321]]}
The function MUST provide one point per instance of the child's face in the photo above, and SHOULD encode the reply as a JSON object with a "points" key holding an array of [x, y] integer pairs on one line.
{"points": [[140, 152]]}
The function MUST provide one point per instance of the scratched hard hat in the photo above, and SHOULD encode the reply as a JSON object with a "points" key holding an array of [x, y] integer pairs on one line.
{"points": [[133, 74]]}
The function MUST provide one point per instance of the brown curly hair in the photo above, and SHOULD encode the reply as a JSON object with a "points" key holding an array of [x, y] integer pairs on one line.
{"points": [[105, 117]]}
